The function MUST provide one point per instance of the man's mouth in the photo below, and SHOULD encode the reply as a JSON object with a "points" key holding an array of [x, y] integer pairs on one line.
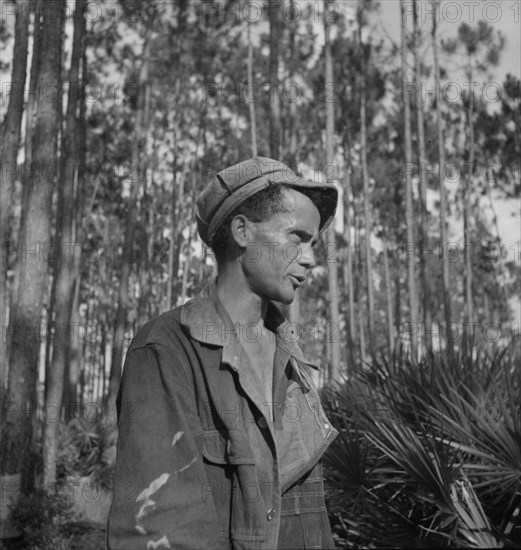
{"points": [[297, 280]]}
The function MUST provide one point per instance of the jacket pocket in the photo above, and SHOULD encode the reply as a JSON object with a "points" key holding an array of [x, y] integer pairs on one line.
{"points": [[247, 510], [304, 519], [291, 444], [232, 450]]}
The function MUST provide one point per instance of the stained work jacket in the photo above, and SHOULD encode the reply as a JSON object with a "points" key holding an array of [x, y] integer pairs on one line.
{"points": [[203, 460]]}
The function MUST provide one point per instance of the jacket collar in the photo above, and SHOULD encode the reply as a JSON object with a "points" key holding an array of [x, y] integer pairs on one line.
{"points": [[209, 323]]}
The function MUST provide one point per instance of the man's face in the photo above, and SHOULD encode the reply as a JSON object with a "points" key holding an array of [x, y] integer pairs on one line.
{"points": [[275, 263]]}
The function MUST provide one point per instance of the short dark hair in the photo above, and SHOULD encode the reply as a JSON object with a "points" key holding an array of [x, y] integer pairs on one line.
{"points": [[260, 207]]}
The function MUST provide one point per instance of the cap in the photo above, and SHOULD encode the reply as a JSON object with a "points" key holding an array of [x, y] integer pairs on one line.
{"points": [[232, 186]]}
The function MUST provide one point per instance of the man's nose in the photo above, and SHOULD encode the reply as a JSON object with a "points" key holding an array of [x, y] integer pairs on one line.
{"points": [[307, 257]]}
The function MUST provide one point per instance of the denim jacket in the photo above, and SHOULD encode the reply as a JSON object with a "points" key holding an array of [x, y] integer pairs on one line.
{"points": [[202, 462]]}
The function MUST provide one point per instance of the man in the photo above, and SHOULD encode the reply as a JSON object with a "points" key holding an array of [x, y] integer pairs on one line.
{"points": [[221, 430]]}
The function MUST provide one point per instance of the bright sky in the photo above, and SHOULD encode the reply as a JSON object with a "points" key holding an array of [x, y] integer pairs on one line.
{"points": [[503, 16]]}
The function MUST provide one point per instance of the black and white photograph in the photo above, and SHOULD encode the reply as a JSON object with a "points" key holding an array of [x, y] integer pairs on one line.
{"points": [[260, 274]]}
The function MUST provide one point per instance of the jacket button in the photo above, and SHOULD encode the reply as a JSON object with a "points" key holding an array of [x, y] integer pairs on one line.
{"points": [[326, 426], [262, 422], [271, 514]]}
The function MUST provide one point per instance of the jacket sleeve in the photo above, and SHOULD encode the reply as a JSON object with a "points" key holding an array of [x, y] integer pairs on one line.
{"points": [[160, 488]]}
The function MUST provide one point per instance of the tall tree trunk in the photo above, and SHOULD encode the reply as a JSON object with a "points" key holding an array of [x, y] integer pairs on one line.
{"points": [[82, 210], [72, 373], [468, 180], [50, 335], [397, 302], [350, 236], [409, 212], [152, 278], [365, 177], [35, 228], [348, 267], [445, 265], [359, 270], [423, 233], [102, 369], [128, 244], [145, 277], [85, 349], [63, 270], [293, 99], [30, 114], [174, 248], [88, 353], [186, 266], [171, 246], [332, 268], [361, 316], [10, 144], [33, 82], [275, 127], [251, 100], [175, 239], [294, 308], [389, 296]]}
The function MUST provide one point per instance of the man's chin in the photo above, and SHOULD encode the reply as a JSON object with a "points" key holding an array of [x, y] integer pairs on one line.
{"points": [[284, 296], [285, 299], [288, 301]]}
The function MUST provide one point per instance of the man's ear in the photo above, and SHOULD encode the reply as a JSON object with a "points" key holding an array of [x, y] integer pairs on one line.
{"points": [[242, 231]]}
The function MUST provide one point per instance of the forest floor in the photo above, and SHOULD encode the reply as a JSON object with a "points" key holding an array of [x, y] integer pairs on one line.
{"points": [[80, 536], [88, 536]]}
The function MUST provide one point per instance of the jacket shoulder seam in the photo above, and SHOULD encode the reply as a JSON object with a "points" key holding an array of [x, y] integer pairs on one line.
{"points": [[154, 338]]}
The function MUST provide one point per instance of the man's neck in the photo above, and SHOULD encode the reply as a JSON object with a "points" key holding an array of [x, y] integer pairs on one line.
{"points": [[241, 303]]}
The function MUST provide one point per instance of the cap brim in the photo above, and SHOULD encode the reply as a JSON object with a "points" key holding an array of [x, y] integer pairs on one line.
{"points": [[327, 210]]}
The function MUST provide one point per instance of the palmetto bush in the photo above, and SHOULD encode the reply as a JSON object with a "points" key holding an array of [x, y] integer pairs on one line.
{"points": [[87, 449], [428, 455]]}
